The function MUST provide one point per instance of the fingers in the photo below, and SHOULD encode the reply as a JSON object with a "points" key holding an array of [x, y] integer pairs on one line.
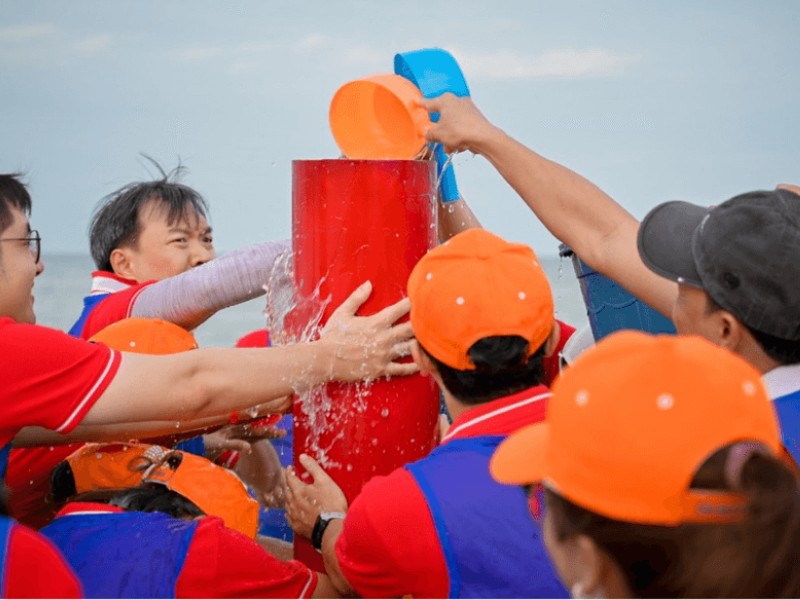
{"points": [[400, 335], [235, 444], [435, 104], [313, 468], [353, 301], [293, 483], [392, 313], [788, 187], [395, 369]]}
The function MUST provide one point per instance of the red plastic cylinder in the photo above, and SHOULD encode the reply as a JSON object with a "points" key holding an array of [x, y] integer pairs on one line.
{"points": [[358, 220]]}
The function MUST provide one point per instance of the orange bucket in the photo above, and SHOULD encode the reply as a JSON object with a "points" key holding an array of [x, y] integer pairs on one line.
{"points": [[378, 117]]}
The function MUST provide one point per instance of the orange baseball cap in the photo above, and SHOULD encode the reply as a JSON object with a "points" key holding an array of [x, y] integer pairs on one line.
{"points": [[214, 489], [478, 285], [145, 336], [632, 420]]}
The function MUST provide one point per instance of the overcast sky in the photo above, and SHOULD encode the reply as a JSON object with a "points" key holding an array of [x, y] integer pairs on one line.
{"points": [[651, 100]]}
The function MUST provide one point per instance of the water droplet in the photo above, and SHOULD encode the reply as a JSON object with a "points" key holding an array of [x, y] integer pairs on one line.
{"points": [[349, 467], [385, 413], [374, 441]]}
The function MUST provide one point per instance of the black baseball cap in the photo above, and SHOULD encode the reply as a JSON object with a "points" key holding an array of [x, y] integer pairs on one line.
{"points": [[745, 253]]}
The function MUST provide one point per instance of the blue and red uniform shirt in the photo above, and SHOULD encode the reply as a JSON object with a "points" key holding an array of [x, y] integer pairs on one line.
{"points": [[119, 554], [441, 527]]}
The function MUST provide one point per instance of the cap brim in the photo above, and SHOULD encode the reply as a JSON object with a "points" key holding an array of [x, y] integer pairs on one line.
{"points": [[520, 459], [665, 240]]}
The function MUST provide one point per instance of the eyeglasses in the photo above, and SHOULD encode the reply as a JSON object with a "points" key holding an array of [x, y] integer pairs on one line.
{"points": [[34, 243]]}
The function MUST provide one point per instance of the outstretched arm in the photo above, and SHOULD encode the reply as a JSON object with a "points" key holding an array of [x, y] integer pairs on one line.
{"points": [[218, 381], [192, 297], [575, 210]]}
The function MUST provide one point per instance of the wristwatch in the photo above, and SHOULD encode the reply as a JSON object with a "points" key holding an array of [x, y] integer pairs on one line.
{"points": [[320, 525]]}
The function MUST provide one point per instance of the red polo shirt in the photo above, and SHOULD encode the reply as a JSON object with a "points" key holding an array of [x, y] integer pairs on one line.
{"points": [[223, 563], [49, 378], [388, 546], [116, 306]]}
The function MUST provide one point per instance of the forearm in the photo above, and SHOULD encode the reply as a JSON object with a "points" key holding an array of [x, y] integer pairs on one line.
{"points": [[455, 217], [192, 297], [575, 210], [338, 580], [210, 382], [600, 231], [115, 432]]}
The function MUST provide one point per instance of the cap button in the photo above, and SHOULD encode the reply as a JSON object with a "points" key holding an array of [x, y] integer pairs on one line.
{"points": [[665, 401]]}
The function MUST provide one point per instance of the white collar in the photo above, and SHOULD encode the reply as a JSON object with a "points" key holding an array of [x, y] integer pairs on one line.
{"points": [[781, 381], [104, 282]]}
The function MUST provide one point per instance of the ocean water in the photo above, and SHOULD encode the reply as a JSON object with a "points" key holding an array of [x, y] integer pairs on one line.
{"points": [[59, 293]]}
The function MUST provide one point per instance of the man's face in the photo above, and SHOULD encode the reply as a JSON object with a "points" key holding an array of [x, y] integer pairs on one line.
{"points": [[165, 250], [17, 271]]}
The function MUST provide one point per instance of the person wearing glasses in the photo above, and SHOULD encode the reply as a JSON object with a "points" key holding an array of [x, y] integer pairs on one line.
{"points": [[59, 389], [152, 243]]}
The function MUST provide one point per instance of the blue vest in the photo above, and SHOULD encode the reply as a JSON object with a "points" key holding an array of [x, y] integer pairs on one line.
{"points": [[89, 302], [124, 555], [788, 409], [6, 524], [492, 546]]}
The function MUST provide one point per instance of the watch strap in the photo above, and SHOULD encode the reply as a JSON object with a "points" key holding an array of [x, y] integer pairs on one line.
{"points": [[320, 525]]}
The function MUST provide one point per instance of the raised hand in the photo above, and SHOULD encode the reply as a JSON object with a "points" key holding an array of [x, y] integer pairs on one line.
{"points": [[367, 347]]}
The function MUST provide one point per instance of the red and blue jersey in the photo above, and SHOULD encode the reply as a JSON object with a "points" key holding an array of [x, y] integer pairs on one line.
{"points": [[110, 300], [120, 554]]}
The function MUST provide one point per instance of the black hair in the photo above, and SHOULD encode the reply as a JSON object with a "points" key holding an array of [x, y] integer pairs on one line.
{"points": [[63, 490], [147, 497], [785, 352], [154, 497], [705, 560], [116, 222], [502, 367], [12, 195]]}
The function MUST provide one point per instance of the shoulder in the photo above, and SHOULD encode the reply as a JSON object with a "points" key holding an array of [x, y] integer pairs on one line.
{"points": [[35, 568], [223, 563], [113, 308], [50, 378], [388, 546]]}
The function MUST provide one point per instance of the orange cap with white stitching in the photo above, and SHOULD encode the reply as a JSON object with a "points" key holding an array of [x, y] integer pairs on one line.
{"points": [[145, 336], [478, 285], [632, 420]]}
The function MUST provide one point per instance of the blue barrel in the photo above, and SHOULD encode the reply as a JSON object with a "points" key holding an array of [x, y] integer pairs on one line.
{"points": [[611, 307]]}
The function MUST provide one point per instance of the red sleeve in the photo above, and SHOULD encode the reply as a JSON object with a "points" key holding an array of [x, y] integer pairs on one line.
{"points": [[28, 481], [223, 563], [113, 308], [388, 547], [551, 362], [35, 568], [49, 378]]}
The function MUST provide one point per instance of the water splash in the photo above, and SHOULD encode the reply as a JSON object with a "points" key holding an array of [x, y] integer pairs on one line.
{"points": [[442, 171], [292, 318]]}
